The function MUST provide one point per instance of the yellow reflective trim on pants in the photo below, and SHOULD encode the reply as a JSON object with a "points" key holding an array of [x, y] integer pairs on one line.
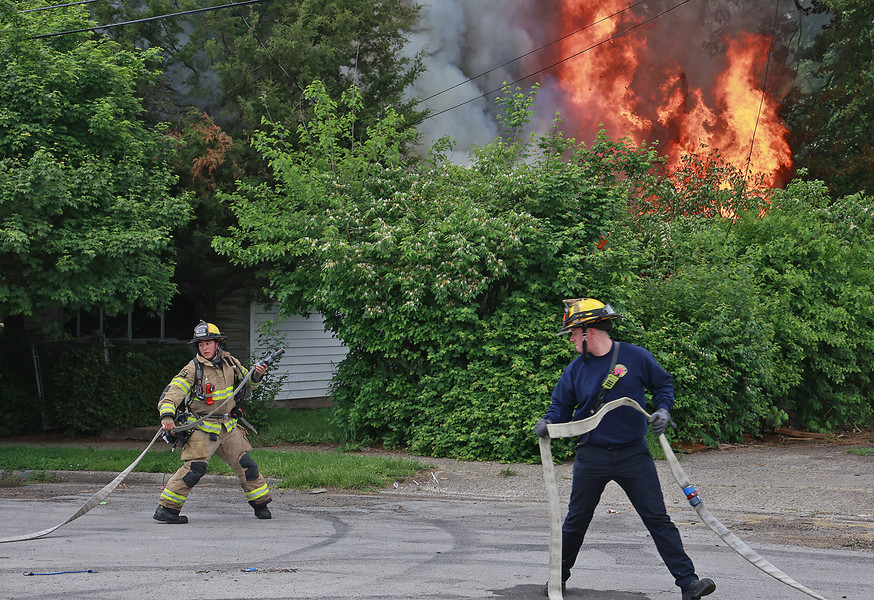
{"points": [[175, 498], [257, 493]]}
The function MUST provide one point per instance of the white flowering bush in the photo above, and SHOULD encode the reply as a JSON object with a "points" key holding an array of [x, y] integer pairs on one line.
{"points": [[445, 281]]}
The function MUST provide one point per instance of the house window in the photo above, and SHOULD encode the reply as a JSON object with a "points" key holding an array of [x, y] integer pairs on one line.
{"points": [[174, 324]]}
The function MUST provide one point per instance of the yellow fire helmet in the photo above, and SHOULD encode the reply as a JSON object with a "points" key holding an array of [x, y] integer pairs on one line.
{"points": [[583, 312], [207, 331]]}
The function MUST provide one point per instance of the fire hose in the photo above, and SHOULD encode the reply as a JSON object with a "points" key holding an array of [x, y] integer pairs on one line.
{"points": [[267, 360], [110, 487], [577, 428]]}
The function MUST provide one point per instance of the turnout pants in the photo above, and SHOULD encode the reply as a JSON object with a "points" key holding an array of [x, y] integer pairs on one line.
{"points": [[632, 467], [230, 446]]}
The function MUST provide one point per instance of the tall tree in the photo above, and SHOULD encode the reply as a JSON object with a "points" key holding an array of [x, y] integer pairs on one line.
{"points": [[230, 68], [831, 117], [86, 211], [242, 64]]}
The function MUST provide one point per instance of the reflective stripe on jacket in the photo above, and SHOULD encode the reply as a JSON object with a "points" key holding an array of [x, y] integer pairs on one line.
{"points": [[222, 379]]}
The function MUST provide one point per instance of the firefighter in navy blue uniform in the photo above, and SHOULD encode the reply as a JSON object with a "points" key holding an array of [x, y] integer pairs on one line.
{"points": [[219, 434], [616, 450]]}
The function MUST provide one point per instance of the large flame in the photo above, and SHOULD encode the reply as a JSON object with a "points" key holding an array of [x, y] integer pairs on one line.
{"points": [[658, 90]]}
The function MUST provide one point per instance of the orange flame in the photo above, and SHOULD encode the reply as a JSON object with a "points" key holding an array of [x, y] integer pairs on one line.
{"points": [[622, 86]]}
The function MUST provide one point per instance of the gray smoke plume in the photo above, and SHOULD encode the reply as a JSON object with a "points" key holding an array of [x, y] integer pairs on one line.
{"points": [[462, 40], [465, 40]]}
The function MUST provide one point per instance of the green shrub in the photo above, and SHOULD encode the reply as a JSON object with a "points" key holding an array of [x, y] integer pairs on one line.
{"points": [[814, 262], [445, 281], [18, 390], [89, 386]]}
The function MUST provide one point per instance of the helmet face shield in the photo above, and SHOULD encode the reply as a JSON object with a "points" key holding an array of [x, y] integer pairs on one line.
{"points": [[583, 312]]}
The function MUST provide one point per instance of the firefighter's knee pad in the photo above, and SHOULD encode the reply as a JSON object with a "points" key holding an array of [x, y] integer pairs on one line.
{"points": [[251, 468], [198, 470]]}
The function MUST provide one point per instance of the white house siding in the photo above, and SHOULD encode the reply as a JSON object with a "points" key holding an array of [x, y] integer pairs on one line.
{"points": [[311, 355]]}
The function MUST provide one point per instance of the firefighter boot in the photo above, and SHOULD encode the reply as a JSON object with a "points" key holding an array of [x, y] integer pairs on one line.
{"points": [[261, 510], [168, 515], [702, 587]]}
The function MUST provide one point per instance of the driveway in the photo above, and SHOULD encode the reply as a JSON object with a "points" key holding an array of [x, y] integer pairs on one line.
{"points": [[456, 530]]}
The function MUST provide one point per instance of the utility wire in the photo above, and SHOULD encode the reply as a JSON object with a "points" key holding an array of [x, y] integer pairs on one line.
{"points": [[56, 6], [764, 83], [187, 12], [546, 68], [264, 48], [564, 37]]}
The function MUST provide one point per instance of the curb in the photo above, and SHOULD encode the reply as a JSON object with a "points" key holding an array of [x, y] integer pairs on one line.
{"points": [[105, 477]]}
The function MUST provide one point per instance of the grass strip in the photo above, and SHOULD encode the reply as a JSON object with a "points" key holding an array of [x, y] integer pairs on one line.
{"points": [[861, 451], [292, 469], [297, 426]]}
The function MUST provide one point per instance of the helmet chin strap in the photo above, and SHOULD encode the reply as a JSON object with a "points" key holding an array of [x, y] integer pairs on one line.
{"points": [[585, 350]]}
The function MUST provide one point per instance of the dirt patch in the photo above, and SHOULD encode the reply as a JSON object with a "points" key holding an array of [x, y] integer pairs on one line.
{"points": [[814, 532]]}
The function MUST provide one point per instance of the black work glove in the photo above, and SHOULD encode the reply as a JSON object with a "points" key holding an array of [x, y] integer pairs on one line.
{"points": [[236, 412], [540, 428], [659, 420]]}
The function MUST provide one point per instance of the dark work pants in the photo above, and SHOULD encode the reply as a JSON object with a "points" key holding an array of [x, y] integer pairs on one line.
{"points": [[632, 467]]}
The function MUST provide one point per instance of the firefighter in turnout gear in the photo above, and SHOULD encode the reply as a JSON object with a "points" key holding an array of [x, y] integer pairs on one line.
{"points": [[204, 384]]}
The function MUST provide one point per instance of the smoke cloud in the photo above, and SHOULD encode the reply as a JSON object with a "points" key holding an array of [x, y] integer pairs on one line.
{"points": [[464, 42]]}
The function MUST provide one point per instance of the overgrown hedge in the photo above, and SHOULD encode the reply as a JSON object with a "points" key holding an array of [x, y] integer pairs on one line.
{"points": [[446, 281], [90, 385], [764, 318]]}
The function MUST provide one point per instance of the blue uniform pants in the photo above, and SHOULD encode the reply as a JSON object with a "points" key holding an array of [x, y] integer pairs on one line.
{"points": [[631, 467]]}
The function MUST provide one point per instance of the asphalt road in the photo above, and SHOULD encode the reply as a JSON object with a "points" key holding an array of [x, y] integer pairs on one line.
{"points": [[460, 530]]}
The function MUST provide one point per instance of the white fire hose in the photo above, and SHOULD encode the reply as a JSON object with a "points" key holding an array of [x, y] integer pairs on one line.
{"points": [[92, 501], [110, 487], [577, 428]]}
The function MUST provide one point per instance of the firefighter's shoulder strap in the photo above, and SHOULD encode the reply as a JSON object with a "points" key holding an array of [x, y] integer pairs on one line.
{"points": [[237, 366], [245, 393], [197, 387], [608, 383]]}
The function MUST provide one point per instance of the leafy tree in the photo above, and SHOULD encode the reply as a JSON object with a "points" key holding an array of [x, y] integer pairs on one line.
{"points": [[85, 205], [228, 69], [248, 63], [830, 116]]}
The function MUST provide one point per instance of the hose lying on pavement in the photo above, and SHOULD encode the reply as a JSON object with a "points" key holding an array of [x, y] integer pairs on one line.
{"points": [[92, 501], [97, 498], [577, 428]]}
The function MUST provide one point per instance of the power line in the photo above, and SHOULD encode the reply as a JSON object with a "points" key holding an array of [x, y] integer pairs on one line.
{"points": [[764, 83], [265, 49], [546, 68], [155, 18], [564, 37], [56, 6]]}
